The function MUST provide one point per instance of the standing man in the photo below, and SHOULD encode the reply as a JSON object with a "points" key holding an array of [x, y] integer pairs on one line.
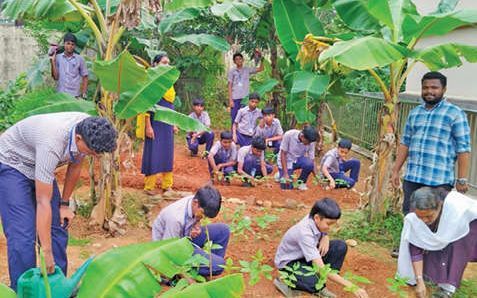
{"points": [[69, 69], [30, 201], [436, 134], [239, 82]]}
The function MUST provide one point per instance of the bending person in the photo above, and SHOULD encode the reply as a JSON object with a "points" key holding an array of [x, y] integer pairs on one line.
{"points": [[439, 238]]}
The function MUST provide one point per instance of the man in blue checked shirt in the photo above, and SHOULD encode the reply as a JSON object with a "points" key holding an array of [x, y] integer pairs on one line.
{"points": [[435, 136]]}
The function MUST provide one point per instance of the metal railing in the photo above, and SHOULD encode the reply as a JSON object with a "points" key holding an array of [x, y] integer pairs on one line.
{"points": [[357, 119]]}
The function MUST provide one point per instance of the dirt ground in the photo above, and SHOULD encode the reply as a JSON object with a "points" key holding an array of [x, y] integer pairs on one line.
{"points": [[366, 259]]}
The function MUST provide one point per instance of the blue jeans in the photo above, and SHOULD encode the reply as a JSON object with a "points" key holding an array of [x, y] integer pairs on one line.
{"points": [[353, 165], [305, 164], [18, 212], [219, 233], [206, 138]]}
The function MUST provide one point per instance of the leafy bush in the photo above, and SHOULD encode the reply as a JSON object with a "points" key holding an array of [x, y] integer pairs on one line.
{"points": [[13, 92]]}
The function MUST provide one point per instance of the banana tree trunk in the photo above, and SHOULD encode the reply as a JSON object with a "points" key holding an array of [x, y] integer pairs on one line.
{"points": [[379, 195]]}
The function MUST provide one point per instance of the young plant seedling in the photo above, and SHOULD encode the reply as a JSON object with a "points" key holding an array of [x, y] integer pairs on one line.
{"points": [[288, 276], [355, 279], [396, 286], [256, 268], [322, 273]]}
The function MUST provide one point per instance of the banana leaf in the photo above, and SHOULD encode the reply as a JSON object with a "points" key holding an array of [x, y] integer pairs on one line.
{"points": [[122, 73], [364, 53], [293, 21], [264, 87], [146, 94], [355, 14], [183, 15], [236, 11], [228, 286], [182, 121], [446, 55], [311, 83], [125, 271], [176, 5], [213, 41], [6, 292]]}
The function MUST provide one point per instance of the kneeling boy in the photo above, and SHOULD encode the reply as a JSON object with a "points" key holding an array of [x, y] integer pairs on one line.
{"points": [[223, 156], [182, 219], [251, 161], [307, 244], [335, 163], [196, 138], [270, 129]]}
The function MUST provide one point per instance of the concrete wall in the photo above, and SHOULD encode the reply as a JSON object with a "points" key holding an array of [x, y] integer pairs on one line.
{"points": [[461, 80], [17, 52]]}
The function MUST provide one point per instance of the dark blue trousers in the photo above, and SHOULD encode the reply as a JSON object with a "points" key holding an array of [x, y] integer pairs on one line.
{"points": [[251, 166], [353, 166], [243, 140], [275, 146], [220, 158], [18, 212], [219, 233], [206, 138], [234, 111], [305, 164], [335, 258]]}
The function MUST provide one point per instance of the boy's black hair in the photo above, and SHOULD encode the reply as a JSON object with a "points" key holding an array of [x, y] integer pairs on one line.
{"points": [[226, 135], [237, 55], [254, 95], [69, 37], [259, 143], [326, 208], [435, 75], [268, 111], [198, 101], [209, 199], [159, 57], [309, 132], [345, 144], [98, 134]]}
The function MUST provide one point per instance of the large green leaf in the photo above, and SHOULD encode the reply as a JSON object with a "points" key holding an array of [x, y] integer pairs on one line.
{"points": [[299, 106], [43, 9], [125, 271], [49, 101], [356, 15], [169, 20], [364, 53], [176, 5], [122, 73], [144, 95], [6, 292], [255, 3], [446, 55], [293, 21], [213, 41], [182, 121], [227, 286], [437, 24], [264, 87], [236, 11], [311, 83]]}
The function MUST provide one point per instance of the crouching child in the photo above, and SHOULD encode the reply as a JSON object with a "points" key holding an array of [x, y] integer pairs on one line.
{"points": [[183, 219], [251, 161], [307, 244], [223, 157]]}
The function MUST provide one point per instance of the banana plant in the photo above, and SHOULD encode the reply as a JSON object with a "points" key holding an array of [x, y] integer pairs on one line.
{"points": [[386, 35]]}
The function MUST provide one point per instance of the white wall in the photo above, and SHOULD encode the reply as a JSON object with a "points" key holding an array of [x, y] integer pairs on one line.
{"points": [[461, 80]]}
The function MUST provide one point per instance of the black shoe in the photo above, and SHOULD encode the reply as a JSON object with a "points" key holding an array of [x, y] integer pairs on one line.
{"points": [[395, 253]]}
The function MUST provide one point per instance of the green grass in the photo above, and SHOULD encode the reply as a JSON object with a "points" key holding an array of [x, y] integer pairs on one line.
{"points": [[468, 289], [72, 241], [132, 206], [355, 225]]}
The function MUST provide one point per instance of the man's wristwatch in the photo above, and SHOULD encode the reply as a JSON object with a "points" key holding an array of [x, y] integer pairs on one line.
{"points": [[461, 181]]}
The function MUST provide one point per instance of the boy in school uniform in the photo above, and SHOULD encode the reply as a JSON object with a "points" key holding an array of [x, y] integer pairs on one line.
{"points": [[306, 244], [183, 219], [270, 129], [223, 155], [251, 161], [194, 139], [297, 151], [244, 126], [335, 163]]}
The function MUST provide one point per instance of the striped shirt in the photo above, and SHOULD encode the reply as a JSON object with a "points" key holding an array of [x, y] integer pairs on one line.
{"points": [[39, 144], [269, 131], [246, 120], [434, 138], [294, 148]]}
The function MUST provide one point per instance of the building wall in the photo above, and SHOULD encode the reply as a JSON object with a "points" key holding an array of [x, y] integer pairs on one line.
{"points": [[17, 52], [460, 79]]}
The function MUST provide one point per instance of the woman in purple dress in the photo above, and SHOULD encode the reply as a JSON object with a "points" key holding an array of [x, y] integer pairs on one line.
{"points": [[438, 239], [158, 153]]}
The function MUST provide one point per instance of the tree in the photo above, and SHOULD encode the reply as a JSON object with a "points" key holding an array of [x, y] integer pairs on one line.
{"points": [[387, 33]]}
